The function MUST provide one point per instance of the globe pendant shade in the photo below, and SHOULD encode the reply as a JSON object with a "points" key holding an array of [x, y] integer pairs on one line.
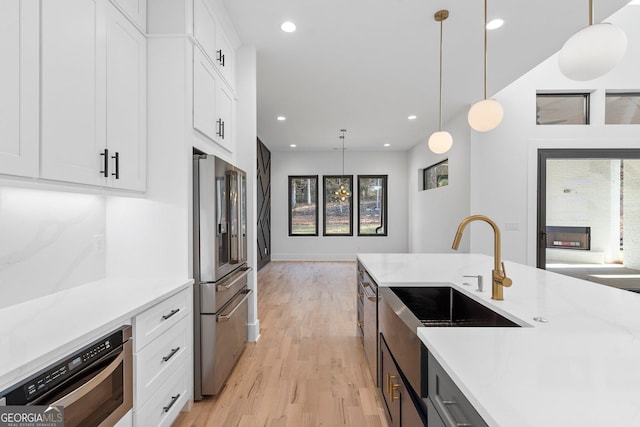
{"points": [[592, 52], [440, 142], [485, 115]]}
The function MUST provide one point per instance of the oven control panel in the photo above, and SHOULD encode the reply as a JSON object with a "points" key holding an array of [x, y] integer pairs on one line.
{"points": [[38, 384]]}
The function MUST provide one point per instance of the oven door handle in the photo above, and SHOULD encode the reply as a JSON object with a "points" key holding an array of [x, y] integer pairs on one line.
{"points": [[82, 391], [225, 317]]}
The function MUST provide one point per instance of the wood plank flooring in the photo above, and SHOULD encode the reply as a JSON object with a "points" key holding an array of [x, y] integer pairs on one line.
{"points": [[308, 368]]}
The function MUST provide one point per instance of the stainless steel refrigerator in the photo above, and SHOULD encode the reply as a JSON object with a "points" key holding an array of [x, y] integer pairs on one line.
{"points": [[220, 271]]}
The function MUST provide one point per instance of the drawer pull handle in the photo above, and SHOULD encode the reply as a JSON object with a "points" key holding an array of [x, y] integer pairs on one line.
{"points": [[450, 421], [390, 378], [173, 312], [395, 387], [174, 399], [366, 284], [173, 352]]}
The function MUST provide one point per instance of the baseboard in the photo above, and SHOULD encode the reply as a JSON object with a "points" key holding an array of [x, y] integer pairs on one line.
{"points": [[254, 331], [313, 257]]}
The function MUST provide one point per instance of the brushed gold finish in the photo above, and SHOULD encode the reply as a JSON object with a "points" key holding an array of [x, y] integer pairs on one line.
{"points": [[390, 379], [395, 387], [441, 15], [498, 274], [308, 368]]}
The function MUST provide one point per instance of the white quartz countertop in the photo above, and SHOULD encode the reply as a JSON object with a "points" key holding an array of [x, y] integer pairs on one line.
{"points": [[581, 368], [39, 332]]}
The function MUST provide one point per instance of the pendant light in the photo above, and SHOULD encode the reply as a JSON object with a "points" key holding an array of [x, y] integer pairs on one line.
{"points": [[487, 114], [343, 192], [592, 51], [440, 142]]}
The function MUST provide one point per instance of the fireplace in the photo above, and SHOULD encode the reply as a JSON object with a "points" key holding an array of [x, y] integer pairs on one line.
{"points": [[561, 237]]}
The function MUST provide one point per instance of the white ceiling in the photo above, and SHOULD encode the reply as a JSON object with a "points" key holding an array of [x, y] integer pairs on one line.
{"points": [[365, 65]]}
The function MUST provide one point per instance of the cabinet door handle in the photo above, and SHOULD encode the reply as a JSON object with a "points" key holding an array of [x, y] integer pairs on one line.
{"points": [[390, 378], [172, 313], [220, 57], [395, 387], [116, 174], [105, 163], [448, 416], [222, 130], [174, 399], [219, 131], [170, 355]]}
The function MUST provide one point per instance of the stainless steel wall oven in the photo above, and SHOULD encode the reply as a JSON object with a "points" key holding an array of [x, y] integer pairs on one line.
{"points": [[94, 384]]}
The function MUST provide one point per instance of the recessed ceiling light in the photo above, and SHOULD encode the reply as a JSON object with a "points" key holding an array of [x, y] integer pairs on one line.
{"points": [[288, 27], [293, 145], [387, 145], [412, 117], [494, 24], [281, 118]]}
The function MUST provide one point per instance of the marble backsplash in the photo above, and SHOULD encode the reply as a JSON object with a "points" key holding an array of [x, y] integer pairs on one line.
{"points": [[49, 241]]}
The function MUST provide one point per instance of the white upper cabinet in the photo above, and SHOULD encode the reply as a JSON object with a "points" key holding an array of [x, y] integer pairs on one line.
{"points": [[204, 95], [204, 28], [72, 123], [19, 80], [126, 102], [93, 124], [136, 10]]}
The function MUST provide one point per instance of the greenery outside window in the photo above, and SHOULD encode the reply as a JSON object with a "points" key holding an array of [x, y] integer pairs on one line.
{"points": [[337, 213], [562, 109], [303, 205], [372, 205]]}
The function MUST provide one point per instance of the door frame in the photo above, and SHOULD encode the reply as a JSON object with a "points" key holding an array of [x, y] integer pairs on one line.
{"points": [[565, 153]]}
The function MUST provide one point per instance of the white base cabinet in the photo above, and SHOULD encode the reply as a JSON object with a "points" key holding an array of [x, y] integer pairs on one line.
{"points": [[163, 360]]}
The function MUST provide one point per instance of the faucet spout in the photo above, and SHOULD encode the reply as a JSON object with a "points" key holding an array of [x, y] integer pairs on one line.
{"points": [[499, 275]]}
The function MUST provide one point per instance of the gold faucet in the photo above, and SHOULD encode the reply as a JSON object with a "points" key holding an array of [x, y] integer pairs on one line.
{"points": [[499, 275]]}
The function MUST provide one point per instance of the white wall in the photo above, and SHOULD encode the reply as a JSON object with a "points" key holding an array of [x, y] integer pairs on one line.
{"points": [[50, 241], [504, 162], [283, 164], [434, 214]]}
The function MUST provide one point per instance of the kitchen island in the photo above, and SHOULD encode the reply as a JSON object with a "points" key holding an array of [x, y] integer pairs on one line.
{"points": [[576, 365]]}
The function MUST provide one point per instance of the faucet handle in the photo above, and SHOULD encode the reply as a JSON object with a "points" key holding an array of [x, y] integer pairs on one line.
{"points": [[506, 282]]}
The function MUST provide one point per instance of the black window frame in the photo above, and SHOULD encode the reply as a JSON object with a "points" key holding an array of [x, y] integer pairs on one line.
{"points": [[586, 109], [385, 221], [326, 197], [317, 213], [425, 173]]}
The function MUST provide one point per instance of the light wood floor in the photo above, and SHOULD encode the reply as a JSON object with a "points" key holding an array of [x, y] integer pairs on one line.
{"points": [[308, 368]]}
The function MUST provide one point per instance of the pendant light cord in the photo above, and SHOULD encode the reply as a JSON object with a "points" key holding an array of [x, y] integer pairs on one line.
{"points": [[440, 104], [485, 49], [591, 12]]}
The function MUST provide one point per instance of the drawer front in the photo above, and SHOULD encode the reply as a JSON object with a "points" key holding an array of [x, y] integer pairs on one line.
{"points": [[448, 400], [156, 362], [163, 407], [159, 318]]}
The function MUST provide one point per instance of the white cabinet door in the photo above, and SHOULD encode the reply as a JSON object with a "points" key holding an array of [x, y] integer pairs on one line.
{"points": [[224, 121], [72, 101], [126, 122], [204, 95], [19, 81], [204, 28], [225, 57], [136, 10]]}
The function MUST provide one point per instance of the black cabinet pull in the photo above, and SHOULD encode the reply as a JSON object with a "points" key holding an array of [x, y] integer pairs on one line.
{"points": [[222, 130], [105, 163], [220, 57], [170, 355], [220, 124], [173, 400], [173, 312], [117, 159]]}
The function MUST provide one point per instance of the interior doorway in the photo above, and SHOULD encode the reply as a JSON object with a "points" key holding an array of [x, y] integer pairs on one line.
{"points": [[589, 215]]}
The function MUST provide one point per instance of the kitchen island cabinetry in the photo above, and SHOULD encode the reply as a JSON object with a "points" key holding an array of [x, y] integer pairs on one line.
{"points": [[367, 321], [93, 95], [19, 82]]}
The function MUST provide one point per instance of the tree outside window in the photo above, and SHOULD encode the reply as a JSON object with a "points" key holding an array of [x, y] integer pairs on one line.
{"points": [[303, 205], [337, 217], [372, 205]]}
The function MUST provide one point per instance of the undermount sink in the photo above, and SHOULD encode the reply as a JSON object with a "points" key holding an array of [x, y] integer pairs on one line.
{"points": [[444, 306]]}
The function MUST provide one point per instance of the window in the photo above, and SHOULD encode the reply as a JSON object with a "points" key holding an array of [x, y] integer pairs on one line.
{"points": [[303, 205], [562, 109], [436, 175], [372, 205], [622, 109], [338, 218]]}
